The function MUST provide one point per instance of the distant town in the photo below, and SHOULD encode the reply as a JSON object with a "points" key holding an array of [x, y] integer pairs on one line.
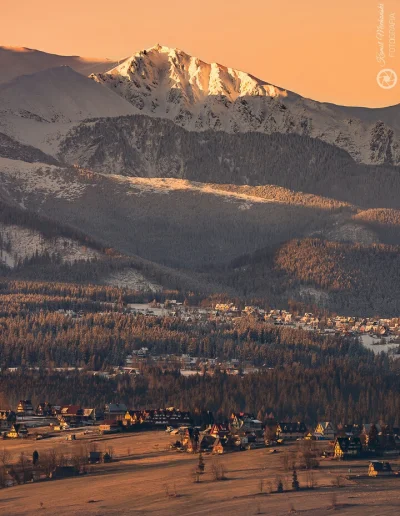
{"points": [[375, 333]]}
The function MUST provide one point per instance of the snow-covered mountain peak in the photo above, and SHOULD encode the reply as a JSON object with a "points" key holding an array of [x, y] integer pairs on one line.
{"points": [[169, 83], [171, 75]]}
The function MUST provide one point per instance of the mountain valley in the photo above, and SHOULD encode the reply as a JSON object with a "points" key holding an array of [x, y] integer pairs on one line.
{"points": [[197, 177]]}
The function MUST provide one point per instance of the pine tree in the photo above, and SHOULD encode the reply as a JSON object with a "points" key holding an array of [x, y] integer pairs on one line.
{"points": [[35, 457], [295, 482]]}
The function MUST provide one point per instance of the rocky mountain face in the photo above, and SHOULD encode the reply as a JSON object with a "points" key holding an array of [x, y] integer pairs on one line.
{"points": [[142, 146], [180, 174], [198, 96]]}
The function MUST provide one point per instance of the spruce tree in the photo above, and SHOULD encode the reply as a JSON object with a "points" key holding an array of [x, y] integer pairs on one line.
{"points": [[295, 482]]}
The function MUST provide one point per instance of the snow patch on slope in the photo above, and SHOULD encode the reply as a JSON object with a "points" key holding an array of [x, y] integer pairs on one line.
{"points": [[134, 280], [18, 243], [40, 180]]}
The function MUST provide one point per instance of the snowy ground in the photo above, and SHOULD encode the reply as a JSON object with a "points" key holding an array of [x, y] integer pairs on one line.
{"points": [[374, 343], [20, 243], [39, 179], [131, 279], [144, 307]]}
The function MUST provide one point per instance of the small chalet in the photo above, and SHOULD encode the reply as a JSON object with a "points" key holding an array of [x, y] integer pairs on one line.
{"points": [[111, 426], [71, 414], [115, 410], [89, 415], [347, 448], [17, 430], [171, 416], [244, 422], [290, 431], [190, 438], [225, 445], [64, 472], [7, 418], [379, 469], [219, 430], [325, 430], [44, 409], [95, 457], [25, 408]]}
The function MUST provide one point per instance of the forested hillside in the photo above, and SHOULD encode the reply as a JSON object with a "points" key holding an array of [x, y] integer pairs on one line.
{"points": [[302, 374], [149, 147], [343, 277]]}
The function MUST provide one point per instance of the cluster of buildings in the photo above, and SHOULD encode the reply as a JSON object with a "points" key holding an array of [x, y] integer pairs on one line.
{"points": [[201, 432], [244, 431], [113, 417], [222, 312]]}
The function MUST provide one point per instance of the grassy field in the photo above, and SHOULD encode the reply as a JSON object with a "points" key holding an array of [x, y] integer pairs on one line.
{"points": [[145, 478]]}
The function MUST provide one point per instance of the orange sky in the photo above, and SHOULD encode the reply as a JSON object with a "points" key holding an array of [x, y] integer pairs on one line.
{"points": [[321, 49]]}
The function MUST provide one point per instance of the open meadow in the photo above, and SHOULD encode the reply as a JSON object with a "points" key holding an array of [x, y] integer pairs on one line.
{"points": [[146, 477]]}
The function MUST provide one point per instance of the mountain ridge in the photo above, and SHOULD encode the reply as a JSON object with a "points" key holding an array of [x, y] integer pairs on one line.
{"points": [[168, 83], [16, 61]]}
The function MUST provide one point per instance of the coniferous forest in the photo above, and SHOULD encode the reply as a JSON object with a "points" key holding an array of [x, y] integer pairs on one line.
{"points": [[56, 338]]}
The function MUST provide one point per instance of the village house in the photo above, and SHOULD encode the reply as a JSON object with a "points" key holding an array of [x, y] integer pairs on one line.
{"points": [[25, 408], [244, 422], [115, 410], [71, 414], [219, 430], [89, 416], [17, 430], [95, 457], [190, 438], [44, 409], [291, 431], [64, 472], [225, 445], [111, 426], [169, 417], [7, 418], [379, 469], [325, 430], [347, 448]]}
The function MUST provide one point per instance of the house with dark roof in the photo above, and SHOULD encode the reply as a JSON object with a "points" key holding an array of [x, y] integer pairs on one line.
{"points": [[325, 430], [71, 414], [25, 408], [64, 472], [219, 430], [242, 421], [115, 410], [347, 448], [44, 409], [17, 430], [7, 418], [291, 431], [379, 469]]}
